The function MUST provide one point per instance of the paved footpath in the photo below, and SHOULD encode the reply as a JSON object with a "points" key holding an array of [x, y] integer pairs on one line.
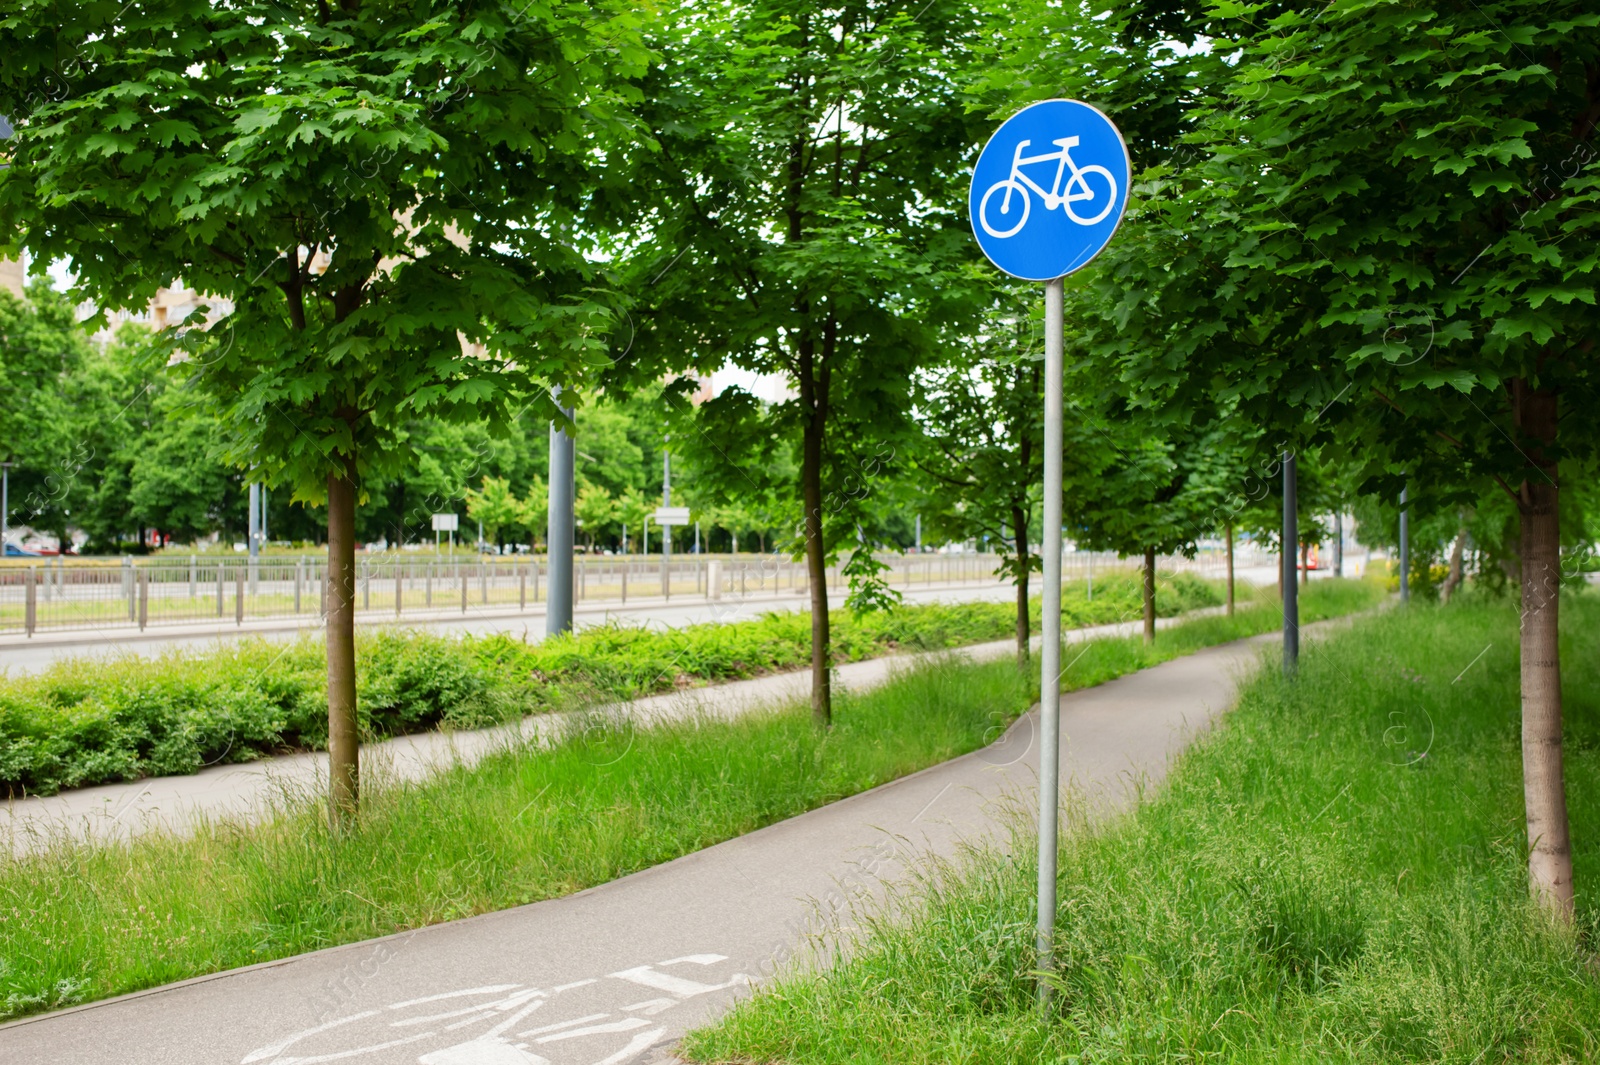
{"points": [[617, 973]]}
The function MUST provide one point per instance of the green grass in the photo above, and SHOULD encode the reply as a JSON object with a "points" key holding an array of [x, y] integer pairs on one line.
{"points": [[90, 721], [79, 922], [1336, 874]]}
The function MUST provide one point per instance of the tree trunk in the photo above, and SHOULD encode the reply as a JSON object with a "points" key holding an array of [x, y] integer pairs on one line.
{"points": [[1149, 595], [1230, 568], [1544, 789], [1453, 581], [344, 749], [814, 404], [1019, 522]]}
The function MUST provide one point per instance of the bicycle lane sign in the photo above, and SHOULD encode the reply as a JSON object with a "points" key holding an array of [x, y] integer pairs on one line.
{"points": [[1049, 189]]}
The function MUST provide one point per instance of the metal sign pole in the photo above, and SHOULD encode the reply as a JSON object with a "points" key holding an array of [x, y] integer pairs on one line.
{"points": [[1036, 232], [666, 530], [1291, 578], [1050, 654]]}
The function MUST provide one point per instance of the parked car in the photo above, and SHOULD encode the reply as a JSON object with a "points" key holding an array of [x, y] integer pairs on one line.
{"points": [[14, 551]]}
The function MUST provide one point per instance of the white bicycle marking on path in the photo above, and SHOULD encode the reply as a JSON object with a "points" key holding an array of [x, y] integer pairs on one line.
{"points": [[511, 1004]]}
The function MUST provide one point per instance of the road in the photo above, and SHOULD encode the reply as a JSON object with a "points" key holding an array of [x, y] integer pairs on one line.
{"points": [[19, 654], [617, 973]]}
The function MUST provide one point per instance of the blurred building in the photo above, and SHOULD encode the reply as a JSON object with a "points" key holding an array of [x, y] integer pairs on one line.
{"points": [[11, 278]]}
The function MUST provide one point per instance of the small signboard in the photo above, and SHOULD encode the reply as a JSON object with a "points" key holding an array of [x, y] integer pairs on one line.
{"points": [[671, 516], [446, 522]]}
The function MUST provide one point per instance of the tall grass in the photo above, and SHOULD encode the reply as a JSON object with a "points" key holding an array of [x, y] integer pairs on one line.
{"points": [[85, 921], [1336, 874]]}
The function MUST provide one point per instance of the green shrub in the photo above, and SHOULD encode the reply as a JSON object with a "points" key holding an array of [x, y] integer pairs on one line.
{"points": [[89, 721]]}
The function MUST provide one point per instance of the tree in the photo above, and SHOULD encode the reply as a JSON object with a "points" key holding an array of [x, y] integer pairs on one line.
{"points": [[535, 508], [982, 417], [495, 505], [791, 140], [42, 352], [364, 187], [630, 509], [595, 508], [175, 484], [1402, 262], [1136, 490], [612, 457]]}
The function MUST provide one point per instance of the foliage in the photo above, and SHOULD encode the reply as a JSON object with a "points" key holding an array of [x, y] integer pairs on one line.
{"points": [[595, 508], [1333, 874], [42, 354], [355, 182], [981, 414], [803, 220], [497, 508], [86, 721]]}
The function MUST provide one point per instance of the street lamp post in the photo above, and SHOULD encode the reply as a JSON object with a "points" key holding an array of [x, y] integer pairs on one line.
{"points": [[666, 530], [558, 537], [254, 538], [5, 502]]}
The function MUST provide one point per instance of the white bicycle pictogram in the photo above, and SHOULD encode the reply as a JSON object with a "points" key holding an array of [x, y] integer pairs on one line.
{"points": [[1078, 189]]}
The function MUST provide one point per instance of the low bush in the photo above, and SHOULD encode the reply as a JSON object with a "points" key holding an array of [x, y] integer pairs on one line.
{"points": [[89, 721]]}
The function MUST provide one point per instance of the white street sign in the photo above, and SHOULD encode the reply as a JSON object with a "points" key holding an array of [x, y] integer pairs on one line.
{"points": [[671, 516], [446, 522]]}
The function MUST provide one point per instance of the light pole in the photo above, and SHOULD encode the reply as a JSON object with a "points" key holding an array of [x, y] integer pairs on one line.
{"points": [[666, 530], [255, 535], [5, 503], [563, 471]]}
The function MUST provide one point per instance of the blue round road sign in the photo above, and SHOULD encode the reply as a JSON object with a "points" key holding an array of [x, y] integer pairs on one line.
{"points": [[1049, 189]]}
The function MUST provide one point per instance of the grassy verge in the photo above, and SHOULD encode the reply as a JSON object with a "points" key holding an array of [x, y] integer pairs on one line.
{"points": [[89, 721], [82, 922], [1335, 874]]}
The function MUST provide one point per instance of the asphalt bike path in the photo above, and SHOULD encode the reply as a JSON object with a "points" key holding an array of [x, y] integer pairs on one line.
{"points": [[617, 973]]}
